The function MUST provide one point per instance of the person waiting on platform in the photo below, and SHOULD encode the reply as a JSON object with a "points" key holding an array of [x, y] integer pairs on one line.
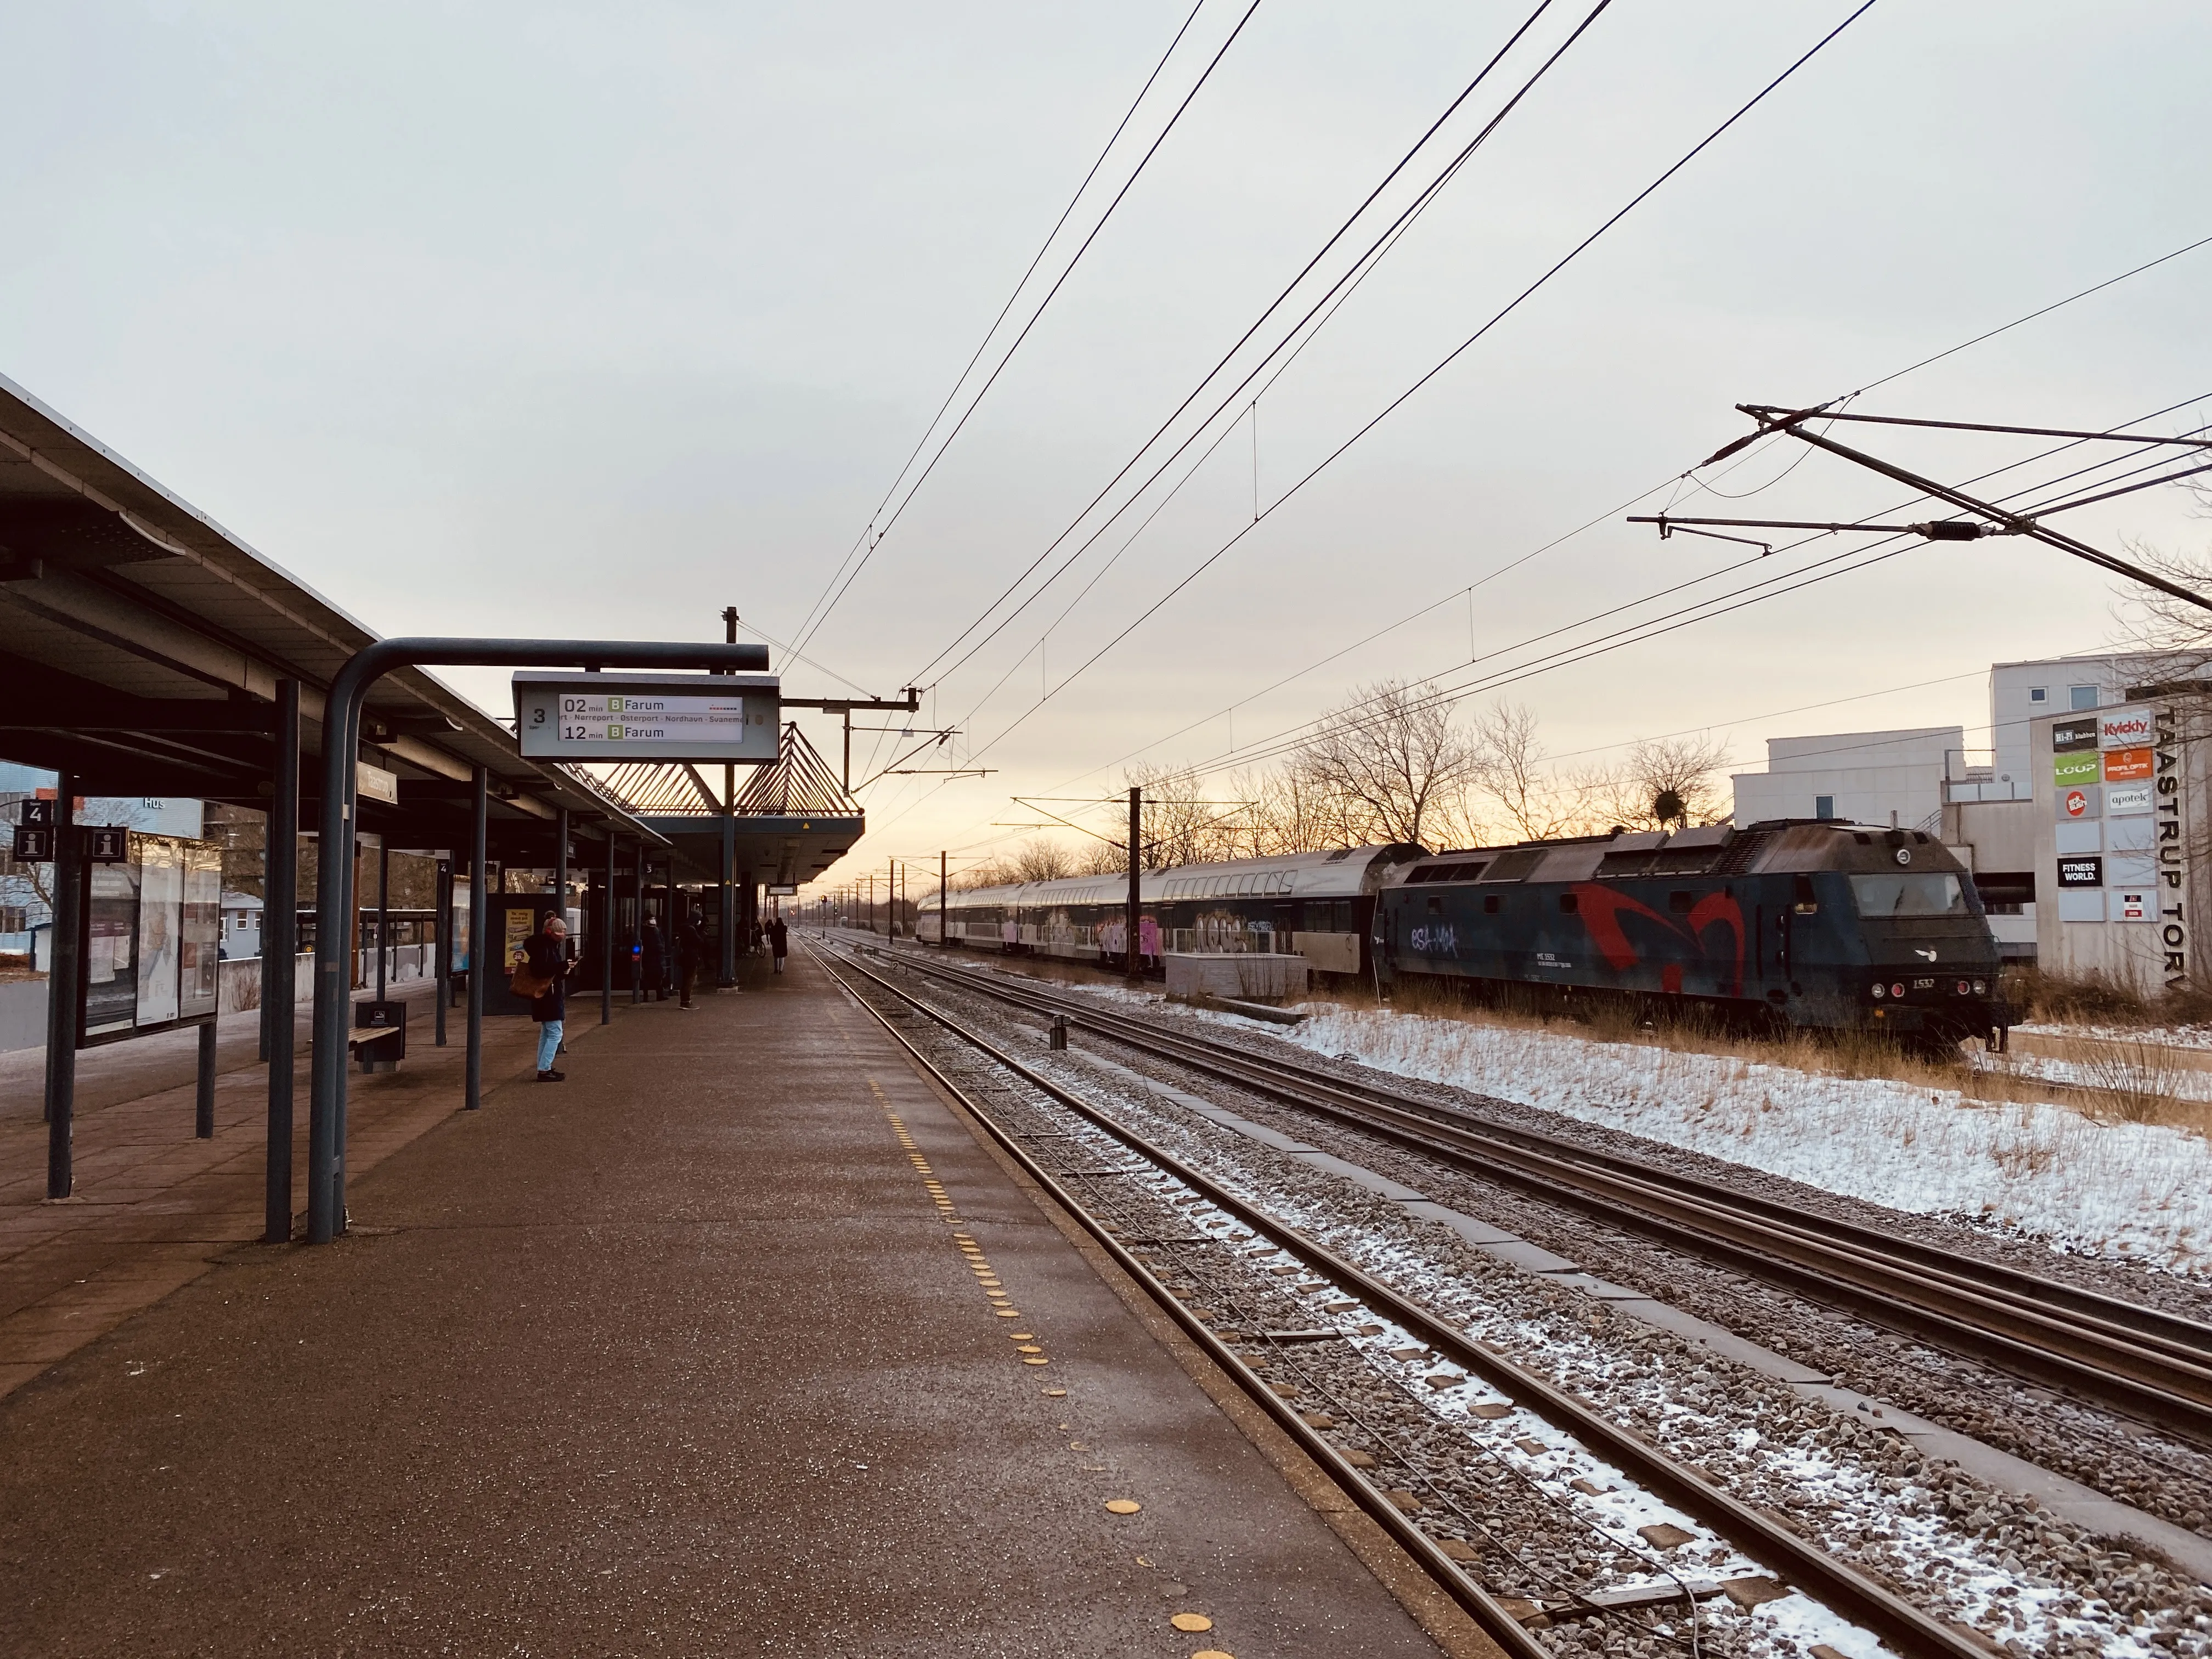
{"points": [[541, 973], [655, 957], [779, 941], [690, 952]]}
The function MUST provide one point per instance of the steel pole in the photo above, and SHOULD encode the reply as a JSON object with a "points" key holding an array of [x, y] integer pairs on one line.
{"points": [[334, 875], [280, 948], [637, 929], [729, 894], [383, 908], [441, 942], [1129, 957], [203, 1085], [65, 973], [561, 864], [944, 938], [669, 971], [480, 957], [607, 936]]}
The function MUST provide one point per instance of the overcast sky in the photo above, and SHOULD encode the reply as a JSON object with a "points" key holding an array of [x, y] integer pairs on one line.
{"points": [[593, 320]]}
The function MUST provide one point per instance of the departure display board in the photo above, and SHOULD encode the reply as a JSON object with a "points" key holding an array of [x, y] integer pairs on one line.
{"points": [[648, 717]]}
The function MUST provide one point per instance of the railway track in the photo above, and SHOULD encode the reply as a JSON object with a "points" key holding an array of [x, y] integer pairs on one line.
{"points": [[1758, 1534], [2141, 1362]]}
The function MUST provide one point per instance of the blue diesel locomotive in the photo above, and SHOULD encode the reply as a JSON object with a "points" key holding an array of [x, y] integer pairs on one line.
{"points": [[1791, 922]]}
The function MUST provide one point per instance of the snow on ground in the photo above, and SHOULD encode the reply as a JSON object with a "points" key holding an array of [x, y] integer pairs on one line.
{"points": [[2137, 1191]]}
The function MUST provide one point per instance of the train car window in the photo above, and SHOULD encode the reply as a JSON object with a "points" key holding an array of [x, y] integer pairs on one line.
{"points": [[1802, 895], [1567, 904], [1862, 838], [1681, 903], [1435, 906], [1343, 920], [1490, 903], [1901, 895]]}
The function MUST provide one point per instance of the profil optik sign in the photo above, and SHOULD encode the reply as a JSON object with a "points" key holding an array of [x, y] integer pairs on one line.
{"points": [[2125, 741]]}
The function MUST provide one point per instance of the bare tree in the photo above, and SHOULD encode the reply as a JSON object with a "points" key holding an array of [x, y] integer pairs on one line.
{"points": [[1388, 764], [1041, 858], [1537, 799], [1670, 783]]}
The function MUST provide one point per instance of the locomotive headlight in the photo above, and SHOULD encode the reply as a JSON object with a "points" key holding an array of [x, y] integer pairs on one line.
{"points": [[1879, 993], [1897, 990], [1981, 988]]}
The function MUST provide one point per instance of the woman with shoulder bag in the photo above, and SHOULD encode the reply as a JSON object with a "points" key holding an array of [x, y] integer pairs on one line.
{"points": [[540, 973]]}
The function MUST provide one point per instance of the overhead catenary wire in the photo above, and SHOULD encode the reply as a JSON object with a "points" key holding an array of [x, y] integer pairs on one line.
{"points": [[1782, 582], [2039, 313], [1450, 357], [1259, 322], [1612, 512], [871, 536]]}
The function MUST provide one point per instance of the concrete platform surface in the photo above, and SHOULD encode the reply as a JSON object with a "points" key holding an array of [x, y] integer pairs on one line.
{"points": [[720, 1347]]}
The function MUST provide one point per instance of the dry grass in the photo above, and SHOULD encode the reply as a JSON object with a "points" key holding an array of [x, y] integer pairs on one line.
{"points": [[2093, 999]]}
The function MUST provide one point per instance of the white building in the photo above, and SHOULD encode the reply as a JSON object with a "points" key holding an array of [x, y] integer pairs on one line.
{"points": [[1891, 778], [2023, 692], [1994, 806]]}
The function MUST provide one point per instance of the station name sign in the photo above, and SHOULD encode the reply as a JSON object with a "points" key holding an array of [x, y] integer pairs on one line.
{"points": [[648, 717]]}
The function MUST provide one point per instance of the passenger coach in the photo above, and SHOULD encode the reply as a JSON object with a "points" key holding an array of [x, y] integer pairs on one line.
{"points": [[1789, 922], [1317, 905]]}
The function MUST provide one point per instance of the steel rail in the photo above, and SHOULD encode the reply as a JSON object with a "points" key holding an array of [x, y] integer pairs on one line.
{"points": [[1766, 1538], [1480, 1605], [2183, 1338], [2135, 1360]]}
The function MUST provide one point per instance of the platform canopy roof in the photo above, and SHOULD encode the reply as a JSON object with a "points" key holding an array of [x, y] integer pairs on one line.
{"points": [[787, 824], [141, 645]]}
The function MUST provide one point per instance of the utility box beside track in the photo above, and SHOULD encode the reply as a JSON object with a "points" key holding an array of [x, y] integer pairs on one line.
{"points": [[1243, 976]]}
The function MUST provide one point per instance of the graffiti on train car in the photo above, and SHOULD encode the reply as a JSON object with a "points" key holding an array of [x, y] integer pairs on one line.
{"points": [[1603, 910]]}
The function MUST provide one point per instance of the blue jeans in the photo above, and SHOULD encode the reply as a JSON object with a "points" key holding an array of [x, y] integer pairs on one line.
{"points": [[549, 1043]]}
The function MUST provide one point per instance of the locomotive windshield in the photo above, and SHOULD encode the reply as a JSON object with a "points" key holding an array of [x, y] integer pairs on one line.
{"points": [[1929, 894]]}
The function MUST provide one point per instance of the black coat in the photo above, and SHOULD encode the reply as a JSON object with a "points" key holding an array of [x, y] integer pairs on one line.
{"points": [[779, 937], [652, 955], [549, 959]]}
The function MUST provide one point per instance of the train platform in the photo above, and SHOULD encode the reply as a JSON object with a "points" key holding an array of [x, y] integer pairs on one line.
{"points": [[154, 1207], [689, 1354]]}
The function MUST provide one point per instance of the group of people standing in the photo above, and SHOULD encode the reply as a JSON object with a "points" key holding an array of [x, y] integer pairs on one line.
{"points": [[542, 966]]}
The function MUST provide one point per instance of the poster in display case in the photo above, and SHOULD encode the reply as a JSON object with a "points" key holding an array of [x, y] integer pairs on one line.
{"points": [[152, 929]]}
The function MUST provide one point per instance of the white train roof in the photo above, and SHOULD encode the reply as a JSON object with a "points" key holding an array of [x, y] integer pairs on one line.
{"points": [[1345, 873]]}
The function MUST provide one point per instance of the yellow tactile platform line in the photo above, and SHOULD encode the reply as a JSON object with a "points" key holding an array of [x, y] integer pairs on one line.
{"points": [[994, 1291], [1026, 1346]]}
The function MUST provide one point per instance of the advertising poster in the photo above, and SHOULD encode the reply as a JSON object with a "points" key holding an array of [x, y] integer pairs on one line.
{"points": [[160, 926], [111, 953], [2127, 765], [459, 927], [200, 934]]}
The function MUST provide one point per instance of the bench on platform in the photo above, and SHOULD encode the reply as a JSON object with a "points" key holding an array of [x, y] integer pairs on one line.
{"points": [[378, 1047], [378, 1039]]}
